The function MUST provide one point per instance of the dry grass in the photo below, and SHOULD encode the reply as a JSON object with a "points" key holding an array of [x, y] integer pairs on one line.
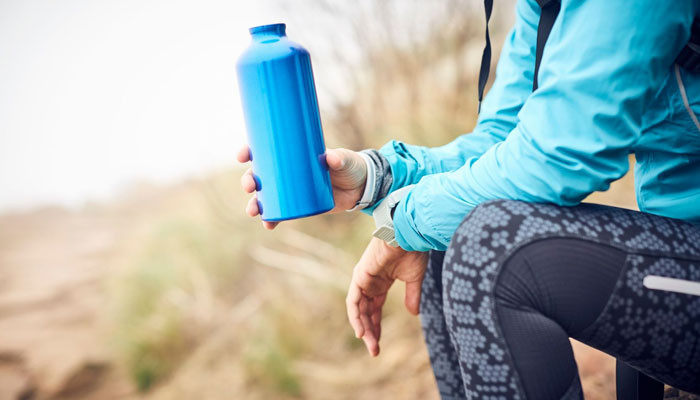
{"points": [[195, 299], [213, 309]]}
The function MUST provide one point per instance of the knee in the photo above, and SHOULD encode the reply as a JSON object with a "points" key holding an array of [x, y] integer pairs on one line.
{"points": [[499, 216], [500, 225], [486, 238], [465, 274], [470, 245], [480, 234], [482, 217]]}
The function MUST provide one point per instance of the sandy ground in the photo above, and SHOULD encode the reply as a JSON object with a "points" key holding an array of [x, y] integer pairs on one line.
{"points": [[52, 265]]}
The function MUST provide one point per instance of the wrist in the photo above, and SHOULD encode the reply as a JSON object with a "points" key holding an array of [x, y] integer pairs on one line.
{"points": [[387, 252], [368, 192]]}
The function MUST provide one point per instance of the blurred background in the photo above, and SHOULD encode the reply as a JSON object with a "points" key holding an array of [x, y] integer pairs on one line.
{"points": [[128, 268]]}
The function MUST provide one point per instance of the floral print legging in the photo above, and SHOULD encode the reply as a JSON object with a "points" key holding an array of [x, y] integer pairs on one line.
{"points": [[519, 279]]}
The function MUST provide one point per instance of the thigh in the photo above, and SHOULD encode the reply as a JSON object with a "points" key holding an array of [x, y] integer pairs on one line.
{"points": [[566, 280], [593, 291]]}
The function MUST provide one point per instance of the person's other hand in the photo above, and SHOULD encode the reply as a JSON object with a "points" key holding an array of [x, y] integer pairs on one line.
{"points": [[348, 176], [379, 266]]}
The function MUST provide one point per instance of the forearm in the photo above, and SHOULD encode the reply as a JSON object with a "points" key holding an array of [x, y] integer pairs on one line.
{"points": [[409, 163]]}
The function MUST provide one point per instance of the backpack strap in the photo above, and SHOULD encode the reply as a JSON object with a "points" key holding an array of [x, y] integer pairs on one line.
{"points": [[486, 56], [550, 11]]}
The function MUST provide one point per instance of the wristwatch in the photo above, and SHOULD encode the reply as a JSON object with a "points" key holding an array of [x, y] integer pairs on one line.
{"points": [[382, 215], [368, 193]]}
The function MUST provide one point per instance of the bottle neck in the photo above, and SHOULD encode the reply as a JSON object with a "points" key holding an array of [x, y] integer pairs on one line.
{"points": [[268, 32]]}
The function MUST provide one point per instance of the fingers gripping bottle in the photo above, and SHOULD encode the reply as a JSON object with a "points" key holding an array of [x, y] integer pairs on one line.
{"points": [[284, 126]]}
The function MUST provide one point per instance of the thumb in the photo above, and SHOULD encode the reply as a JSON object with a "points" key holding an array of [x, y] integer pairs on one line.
{"points": [[412, 297], [342, 160]]}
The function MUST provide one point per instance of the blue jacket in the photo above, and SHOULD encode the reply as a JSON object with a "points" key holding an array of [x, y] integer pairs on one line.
{"points": [[607, 88]]}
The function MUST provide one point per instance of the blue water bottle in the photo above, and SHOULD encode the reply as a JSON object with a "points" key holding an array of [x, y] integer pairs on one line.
{"points": [[284, 126]]}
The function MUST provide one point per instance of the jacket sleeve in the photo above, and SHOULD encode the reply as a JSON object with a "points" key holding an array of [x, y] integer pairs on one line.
{"points": [[603, 63], [499, 111]]}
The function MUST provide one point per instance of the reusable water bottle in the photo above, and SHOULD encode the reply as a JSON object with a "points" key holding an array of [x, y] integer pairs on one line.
{"points": [[284, 126]]}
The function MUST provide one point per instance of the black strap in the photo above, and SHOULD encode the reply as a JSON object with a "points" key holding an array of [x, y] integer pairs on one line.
{"points": [[550, 10], [486, 56]]}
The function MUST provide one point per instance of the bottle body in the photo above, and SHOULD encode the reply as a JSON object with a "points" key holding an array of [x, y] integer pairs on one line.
{"points": [[284, 127]]}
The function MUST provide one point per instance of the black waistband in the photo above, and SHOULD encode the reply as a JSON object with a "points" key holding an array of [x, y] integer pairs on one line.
{"points": [[689, 58]]}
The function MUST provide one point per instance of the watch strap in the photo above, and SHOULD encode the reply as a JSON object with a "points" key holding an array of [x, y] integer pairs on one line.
{"points": [[383, 216]]}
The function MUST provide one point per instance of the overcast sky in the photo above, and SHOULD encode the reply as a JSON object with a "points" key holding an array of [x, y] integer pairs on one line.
{"points": [[96, 93]]}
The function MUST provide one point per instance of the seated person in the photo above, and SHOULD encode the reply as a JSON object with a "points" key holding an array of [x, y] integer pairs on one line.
{"points": [[516, 264]]}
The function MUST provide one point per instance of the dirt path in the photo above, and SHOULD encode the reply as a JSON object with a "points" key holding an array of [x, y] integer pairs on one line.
{"points": [[52, 265]]}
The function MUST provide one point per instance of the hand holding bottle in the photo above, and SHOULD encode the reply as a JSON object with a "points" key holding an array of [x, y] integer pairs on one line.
{"points": [[348, 176]]}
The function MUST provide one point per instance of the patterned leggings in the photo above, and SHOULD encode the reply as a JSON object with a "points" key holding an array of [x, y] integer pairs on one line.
{"points": [[519, 279]]}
